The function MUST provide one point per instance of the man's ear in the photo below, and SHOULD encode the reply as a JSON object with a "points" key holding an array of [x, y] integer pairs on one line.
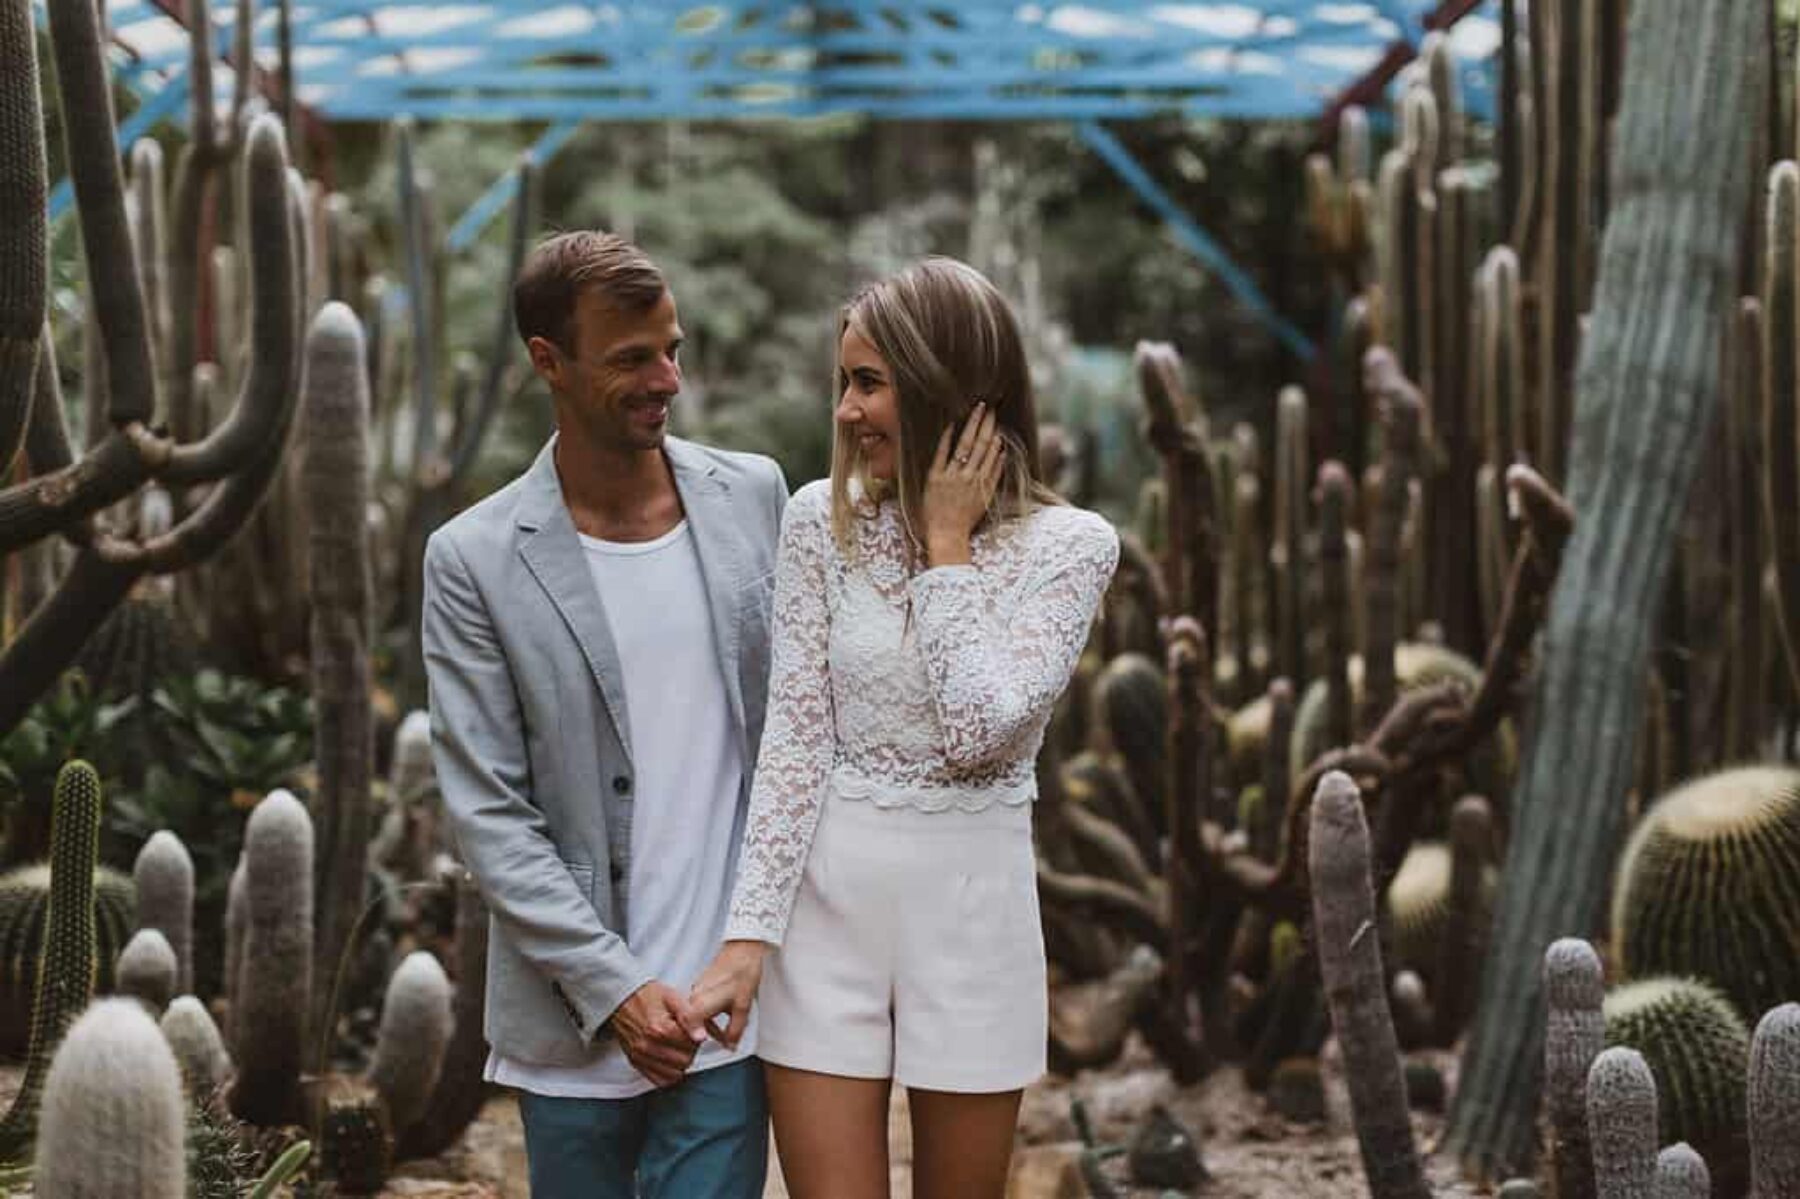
{"points": [[546, 362]]}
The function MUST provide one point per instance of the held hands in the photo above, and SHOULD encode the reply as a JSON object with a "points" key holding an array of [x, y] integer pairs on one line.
{"points": [[960, 486], [729, 985], [659, 1032]]}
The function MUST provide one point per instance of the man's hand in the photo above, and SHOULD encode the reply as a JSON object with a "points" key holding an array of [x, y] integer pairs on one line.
{"points": [[729, 985], [659, 1033]]}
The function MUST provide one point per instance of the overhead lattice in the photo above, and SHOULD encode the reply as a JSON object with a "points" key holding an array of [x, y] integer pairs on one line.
{"points": [[995, 59]]}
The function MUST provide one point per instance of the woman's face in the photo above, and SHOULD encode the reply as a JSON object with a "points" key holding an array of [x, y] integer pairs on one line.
{"points": [[867, 411]]}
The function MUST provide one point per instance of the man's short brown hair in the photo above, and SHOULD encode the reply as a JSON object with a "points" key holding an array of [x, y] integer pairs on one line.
{"points": [[562, 266]]}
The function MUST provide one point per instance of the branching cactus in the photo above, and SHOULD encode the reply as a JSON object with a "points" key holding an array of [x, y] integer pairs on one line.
{"points": [[113, 1121], [337, 497], [164, 874], [191, 1033], [1681, 1174], [275, 972], [239, 456], [1781, 400], [1343, 898], [66, 969], [147, 970], [1621, 1103], [1774, 1102], [1576, 1035], [24, 260], [415, 1031]]}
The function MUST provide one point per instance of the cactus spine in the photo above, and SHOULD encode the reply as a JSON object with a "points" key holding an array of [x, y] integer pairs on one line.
{"points": [[415, 1031], [269, 1008], [1343, 900], [113, 1120], [164, 875], [66, 970], [1621, 1103], [336, 483], [1774, 1103], [1575, 1035]]}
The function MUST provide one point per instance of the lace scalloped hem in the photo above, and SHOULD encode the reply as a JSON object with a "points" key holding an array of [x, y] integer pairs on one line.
{"points": [[933, 799]]}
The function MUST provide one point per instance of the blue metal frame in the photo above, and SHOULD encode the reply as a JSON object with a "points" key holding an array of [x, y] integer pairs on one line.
{"points": [[488, 205]]}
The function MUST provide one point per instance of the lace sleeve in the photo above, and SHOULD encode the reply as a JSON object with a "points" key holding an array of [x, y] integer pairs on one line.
{"points": [[796, 752], [991, 680]]}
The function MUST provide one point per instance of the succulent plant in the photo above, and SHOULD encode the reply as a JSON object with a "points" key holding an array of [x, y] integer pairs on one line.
{"points": [[113, 1121], [274, 983], [415, 1031], [1574, 989], [1418, 903], [191, 1033], [164, 878], [1698, 1048], [1681, 1173], [1130, 701], [24, 907], [147, 970], [1621, 1103], [355, 1145], [1774, 1103], [1707, 884]]}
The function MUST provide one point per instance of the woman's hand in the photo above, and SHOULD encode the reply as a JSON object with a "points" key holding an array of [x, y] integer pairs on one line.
{"points": [[960, 487], [729, 985]]}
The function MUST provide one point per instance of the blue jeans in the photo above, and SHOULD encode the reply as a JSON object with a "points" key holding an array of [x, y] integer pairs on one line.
{"points": [[707, 1137]]}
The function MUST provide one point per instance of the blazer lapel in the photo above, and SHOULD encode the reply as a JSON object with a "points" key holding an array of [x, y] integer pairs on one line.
{"points": [[707, 499], [552, 552]]}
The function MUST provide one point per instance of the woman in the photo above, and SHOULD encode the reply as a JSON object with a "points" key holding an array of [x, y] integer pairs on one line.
{"points": [[931, 599]]}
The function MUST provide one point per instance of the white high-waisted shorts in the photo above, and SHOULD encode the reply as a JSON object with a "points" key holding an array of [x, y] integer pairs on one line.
{"points": [[915, 951]]}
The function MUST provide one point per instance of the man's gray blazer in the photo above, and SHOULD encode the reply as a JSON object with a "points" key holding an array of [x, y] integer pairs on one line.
{"points": [[529, 736]]}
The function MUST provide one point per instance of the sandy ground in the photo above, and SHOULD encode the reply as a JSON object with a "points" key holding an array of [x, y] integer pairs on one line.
{"points": [[1248, 1151]]}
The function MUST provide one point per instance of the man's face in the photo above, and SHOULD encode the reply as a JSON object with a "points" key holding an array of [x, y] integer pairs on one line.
{"points": [[622, 375]]}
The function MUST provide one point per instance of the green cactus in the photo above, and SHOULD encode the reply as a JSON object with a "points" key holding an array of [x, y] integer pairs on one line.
{"points": [[1698, 1047], [415, 1031], [113, 1120], [1343, 904], [191, 1033], [24, 283], [24, 907], [1292, 463], [65, 979], [274, 985], [164, 878], [355, 1145], [1781, 401], [147, 970], [335, 480], [1418, 905], [1130, 702], [1402, 415], [1621, 1104], [1774, 1103], [1708, 883], [1575, 1034], [1334, 569]]}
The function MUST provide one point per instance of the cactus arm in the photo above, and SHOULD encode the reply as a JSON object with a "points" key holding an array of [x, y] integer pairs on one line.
{"points": [[192, 170], [47, 445], [23, 226], [418, 297], [52, 638], [1780, 395], [93, 154], [112, 470], [148, 222], [1402, 412], [1343, 901], [1692, 98], [269, 384]]}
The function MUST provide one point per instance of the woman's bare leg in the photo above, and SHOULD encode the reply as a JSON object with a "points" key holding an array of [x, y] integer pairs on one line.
{"points": [[962, 1144], [831, 1133]]}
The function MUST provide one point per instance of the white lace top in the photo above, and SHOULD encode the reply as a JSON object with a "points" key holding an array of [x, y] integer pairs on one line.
{"points": [[948, 712]]}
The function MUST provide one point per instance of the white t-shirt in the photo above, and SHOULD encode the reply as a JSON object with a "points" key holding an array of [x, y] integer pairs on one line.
{"points": [[688, 772]]}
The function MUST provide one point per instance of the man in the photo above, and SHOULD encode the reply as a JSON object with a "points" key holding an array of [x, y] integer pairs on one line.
{"points": [[596, 641]]}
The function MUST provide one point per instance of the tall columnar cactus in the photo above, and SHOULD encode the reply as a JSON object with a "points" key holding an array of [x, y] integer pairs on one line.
{"points": [[198, 1046], [1748, 670], [164, 875], [415, 1031], [239, 456], [66, 970], [113, 1121], [410, 770], [1692, 95], [1781, 400], [1505, 438], [1575, 1035], [1774, 1104], [1698, 1047], [148, 223], [147, 970], [25, 276], [1289, 550], [1130, 703], [337, 497], [237, 922], [1681, 1173], [1621, 1103], [1402, 411], [269, 1009], [1343, 899], [1335, 587], [1707, 883]]}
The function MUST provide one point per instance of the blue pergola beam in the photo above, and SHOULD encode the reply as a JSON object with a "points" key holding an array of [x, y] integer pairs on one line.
{"points": [[1191, 236], [469, 226]]}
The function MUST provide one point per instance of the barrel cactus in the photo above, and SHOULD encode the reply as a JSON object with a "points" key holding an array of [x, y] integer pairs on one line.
{"points": [[1698, 1047], [113, 1121], [24, 906], [1708, 886]]}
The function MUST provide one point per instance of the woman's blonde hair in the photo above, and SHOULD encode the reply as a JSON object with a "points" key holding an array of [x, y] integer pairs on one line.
{"points": [[949, 339]]}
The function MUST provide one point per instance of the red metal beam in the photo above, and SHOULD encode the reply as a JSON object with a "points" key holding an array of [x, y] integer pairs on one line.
{"points": [[1372, 86]]}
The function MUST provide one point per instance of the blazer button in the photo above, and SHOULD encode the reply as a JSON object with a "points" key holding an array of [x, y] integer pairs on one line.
{"points": [[622, 784]]}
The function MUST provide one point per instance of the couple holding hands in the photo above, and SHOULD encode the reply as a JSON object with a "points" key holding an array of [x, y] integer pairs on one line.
{"points": [[745, 780]]}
